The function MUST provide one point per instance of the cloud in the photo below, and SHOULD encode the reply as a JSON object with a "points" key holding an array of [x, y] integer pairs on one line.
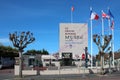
{"points": [[4, 40]]}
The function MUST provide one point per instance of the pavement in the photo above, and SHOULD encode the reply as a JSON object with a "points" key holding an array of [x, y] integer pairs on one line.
{"points": [[113, 76], [72, 77]]}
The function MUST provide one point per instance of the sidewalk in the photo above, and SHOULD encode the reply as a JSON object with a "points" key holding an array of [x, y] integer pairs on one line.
{"points": [[114, 76], [63, 76]]}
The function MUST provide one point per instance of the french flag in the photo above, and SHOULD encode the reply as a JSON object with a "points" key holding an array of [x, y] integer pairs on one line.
{"points": [[94, 16]]}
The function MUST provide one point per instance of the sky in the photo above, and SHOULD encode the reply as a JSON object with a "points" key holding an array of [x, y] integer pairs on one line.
{"points": [[42, 18]]}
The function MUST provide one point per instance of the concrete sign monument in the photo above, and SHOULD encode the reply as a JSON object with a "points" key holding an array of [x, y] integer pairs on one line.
{"points": [[73, 39]]}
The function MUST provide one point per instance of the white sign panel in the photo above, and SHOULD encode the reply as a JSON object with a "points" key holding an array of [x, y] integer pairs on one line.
{"points": [[73, 38]]}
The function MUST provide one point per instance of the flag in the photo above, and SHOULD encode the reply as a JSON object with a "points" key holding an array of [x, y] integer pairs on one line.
{"points": [[110, 14], [94, 16], [72, 8], [104, 15], [112, 19], [112, 24]]}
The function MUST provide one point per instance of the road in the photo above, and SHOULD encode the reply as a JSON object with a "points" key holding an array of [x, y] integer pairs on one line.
{"points": [[8, 74]]}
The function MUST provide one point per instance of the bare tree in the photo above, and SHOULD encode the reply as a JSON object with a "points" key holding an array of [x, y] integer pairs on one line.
{"points": [[20, 41], [102, 43]]}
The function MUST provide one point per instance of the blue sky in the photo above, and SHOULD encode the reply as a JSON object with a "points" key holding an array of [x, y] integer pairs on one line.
{"points": [[42, 18]]}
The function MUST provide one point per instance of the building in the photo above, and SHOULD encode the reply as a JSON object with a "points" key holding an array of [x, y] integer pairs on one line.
{"points": [[49, 60], [30, 61], [73, 38]]}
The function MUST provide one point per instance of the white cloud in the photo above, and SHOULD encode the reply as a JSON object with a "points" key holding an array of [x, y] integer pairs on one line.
{"points": [[4, 40]]}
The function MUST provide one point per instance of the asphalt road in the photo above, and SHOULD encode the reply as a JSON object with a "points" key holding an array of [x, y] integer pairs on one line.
{"points": [[8, 74]]}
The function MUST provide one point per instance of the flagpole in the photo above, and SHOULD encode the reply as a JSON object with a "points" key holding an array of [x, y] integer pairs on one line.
{"points": [[91, 43], [112, 43], [113, 46], [109, 25], [102, 30], [110, 46], [102, 38], [91, 38], [71, 17], [72, 9]]}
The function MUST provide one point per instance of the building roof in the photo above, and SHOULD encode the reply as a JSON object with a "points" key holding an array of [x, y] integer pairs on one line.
{"points": [[48, 57]]}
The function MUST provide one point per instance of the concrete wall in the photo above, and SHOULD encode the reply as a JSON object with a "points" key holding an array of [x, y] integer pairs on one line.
{"points": [[25, 72], [77, 70]]}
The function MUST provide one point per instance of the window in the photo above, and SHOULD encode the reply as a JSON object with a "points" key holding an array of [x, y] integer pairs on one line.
{"points": [[31, 62]]}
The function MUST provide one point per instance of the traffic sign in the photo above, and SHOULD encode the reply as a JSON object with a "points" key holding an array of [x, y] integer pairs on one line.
{"points": [[83, 56]]}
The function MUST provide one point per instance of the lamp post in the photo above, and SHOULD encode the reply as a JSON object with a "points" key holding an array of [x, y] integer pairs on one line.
{"points": [[20, 41]]}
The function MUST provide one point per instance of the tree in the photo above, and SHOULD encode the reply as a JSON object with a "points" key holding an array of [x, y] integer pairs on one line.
{"points": [[102, 46], [31, 52], [7, 51], [34, 52], [44, 52], [20, 41]]}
